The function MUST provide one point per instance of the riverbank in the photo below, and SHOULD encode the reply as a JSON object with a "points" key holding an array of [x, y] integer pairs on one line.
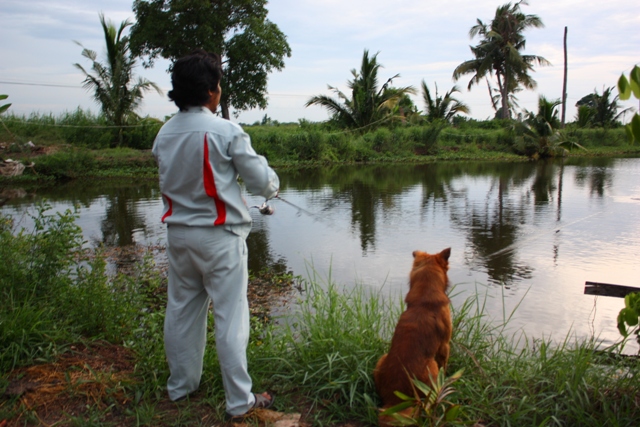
{"points": [[53, 163], [78, 353]]}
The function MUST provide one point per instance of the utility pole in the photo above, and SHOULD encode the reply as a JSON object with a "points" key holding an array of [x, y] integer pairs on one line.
{"points": [[564, 85]]}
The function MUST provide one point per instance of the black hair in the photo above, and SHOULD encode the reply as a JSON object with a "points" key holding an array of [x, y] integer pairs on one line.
{"points": [[193, 76]]}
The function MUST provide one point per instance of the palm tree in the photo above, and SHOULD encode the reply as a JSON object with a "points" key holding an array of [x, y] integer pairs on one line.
{"points": [[112, 83], [496, 100], [499, 52], [600, 110], [368, 104], [442, 107], [538, 135]]}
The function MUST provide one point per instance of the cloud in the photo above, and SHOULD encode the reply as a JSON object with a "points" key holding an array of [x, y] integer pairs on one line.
{"points": [[419, 40]]}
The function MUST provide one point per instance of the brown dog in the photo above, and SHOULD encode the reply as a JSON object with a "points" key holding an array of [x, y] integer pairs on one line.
{"points": [[420, 343]]}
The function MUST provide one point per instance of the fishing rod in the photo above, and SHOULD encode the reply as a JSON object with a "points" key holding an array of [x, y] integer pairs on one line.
{"points": [[266, 209]]}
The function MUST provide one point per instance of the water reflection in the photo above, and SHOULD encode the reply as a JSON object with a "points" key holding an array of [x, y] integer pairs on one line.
{"points": [[526, 227]]}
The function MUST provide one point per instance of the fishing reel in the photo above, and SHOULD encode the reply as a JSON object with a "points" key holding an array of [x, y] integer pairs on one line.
{"points": [[265, 209]]}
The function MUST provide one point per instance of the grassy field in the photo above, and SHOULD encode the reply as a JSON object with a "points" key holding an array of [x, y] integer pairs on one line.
{"points": [[83, 347]]}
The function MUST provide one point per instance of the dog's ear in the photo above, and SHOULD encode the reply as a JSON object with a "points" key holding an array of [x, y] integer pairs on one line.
{"points": [[445, 254]]}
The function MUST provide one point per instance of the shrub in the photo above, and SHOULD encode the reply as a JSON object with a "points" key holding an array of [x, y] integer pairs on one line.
{"points": [[66, 164], [50, 296]]}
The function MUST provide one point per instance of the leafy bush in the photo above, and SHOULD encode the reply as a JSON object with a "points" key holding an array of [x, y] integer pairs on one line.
{"points": [[50, 296], [83, 129], [66, 164], [142, 135], [629, 315]]}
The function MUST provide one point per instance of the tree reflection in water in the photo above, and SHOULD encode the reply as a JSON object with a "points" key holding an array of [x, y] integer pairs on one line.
{"points": [[493, 207]]}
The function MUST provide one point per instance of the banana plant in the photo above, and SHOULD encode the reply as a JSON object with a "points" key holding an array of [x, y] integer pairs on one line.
{"points": [[627, 87]]}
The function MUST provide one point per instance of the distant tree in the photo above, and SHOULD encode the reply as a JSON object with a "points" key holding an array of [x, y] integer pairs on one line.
{"points": [[499, 52], [600, 110], [405, 109], [251, 46], [442, 107], [538, 134], [368, 105], [112, 83]]}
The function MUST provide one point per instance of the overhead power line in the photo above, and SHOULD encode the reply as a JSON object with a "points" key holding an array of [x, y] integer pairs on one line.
{"points": [[39, 84]]}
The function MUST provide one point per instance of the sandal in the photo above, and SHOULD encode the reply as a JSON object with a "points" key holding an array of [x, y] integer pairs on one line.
{"points": [[261, 402]]}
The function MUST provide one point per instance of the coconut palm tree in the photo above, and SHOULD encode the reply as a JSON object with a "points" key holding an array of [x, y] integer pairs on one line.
{"points": [[442, 107], [368, 105], [496, 101], [499, 52], [112, 83]]}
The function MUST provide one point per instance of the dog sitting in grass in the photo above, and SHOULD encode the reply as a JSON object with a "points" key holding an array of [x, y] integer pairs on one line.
{"points": [[420, 343]]}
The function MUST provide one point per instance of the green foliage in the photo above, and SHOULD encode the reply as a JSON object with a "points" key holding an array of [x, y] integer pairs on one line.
{"points": [[523, 381], [317, 143], [49, 297], [329, 347], [238, 30], [625, 89], [442, 107], [112, 83], [630, 86], [628, 316], [142, 134], [429, 406], [66, 164], [368, 106], [538, 134], [81, 128], [4, 107], [603, 109], [584, 116], [499, 52]]}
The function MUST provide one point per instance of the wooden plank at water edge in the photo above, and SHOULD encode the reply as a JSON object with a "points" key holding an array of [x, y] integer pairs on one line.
{"points": [[608, 290]]}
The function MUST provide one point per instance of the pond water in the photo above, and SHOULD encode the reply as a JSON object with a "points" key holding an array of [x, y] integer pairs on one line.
{"points": [[524, 235]]}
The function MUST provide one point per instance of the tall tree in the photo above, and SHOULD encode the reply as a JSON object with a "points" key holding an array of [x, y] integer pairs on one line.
{"points": [[251, 46], [442, 107], [369, 104], [499, 52], [112, 83]]}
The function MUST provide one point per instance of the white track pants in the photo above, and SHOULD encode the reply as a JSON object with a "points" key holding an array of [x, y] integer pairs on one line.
{"points": [[207, 262]]}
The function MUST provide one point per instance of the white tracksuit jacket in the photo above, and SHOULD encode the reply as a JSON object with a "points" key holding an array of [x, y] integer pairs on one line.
{"points": [[199, 157]]}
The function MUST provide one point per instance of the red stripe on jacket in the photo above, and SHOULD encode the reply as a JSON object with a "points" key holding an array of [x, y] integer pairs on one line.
{"points": [[210, 186], [170, 211]]}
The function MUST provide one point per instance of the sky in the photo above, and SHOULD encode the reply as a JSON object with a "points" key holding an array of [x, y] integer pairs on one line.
{"points": [[420, 40]]}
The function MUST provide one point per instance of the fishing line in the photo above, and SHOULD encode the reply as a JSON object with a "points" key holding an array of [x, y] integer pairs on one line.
{"points": [[266, 209], [536, 236], [300, 209]]}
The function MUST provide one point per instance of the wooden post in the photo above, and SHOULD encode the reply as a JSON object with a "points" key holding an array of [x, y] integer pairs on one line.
{"points": [[607, 290], [564, 85]]}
